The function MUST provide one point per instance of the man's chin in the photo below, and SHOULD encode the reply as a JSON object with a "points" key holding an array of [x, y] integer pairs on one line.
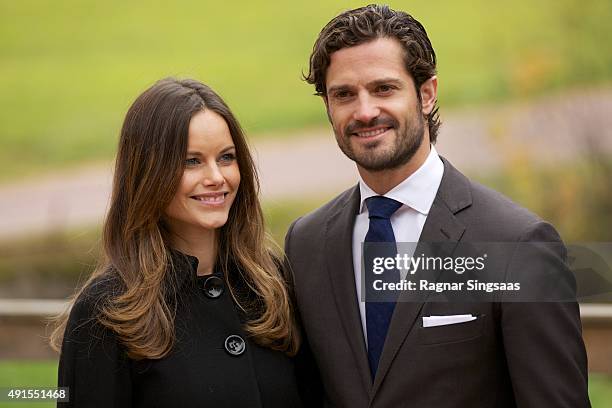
{"points": [[374, 163], [377, 147]]}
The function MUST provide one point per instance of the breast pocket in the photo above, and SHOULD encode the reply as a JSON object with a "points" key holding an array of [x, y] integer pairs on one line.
{"points": [[451, 333]]}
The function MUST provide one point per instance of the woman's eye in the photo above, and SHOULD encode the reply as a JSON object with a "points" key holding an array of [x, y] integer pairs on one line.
{"points": [[227, 157], [193, 161]]}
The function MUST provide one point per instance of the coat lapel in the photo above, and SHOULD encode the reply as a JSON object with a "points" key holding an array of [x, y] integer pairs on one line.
{"points": [[339, 257], [441, 226]]}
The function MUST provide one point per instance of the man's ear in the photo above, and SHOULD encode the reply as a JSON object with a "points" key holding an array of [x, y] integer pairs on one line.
{"points": [[429, 94]]}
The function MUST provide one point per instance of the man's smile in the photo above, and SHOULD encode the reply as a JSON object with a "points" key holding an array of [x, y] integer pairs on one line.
{"points": [[371, 132]]}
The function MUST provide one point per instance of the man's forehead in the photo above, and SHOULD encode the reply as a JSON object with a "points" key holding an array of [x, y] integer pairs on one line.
{"points": [[365, 63]]}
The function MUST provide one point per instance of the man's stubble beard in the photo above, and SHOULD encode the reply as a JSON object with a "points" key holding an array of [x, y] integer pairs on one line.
{"points": [[408, 139]]}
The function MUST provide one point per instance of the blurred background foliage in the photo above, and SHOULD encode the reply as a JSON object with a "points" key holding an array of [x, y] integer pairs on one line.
{"points": [[70, 69], [575, 198]]}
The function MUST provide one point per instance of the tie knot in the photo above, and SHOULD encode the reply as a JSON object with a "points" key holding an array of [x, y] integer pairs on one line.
{"points": [[382, 207]]}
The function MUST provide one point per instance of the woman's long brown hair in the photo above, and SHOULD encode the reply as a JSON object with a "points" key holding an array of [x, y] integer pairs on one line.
{"points": [[136, 251]]}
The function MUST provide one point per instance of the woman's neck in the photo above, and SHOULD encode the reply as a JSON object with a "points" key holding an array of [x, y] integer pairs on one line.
{"points": [[201, 243]]}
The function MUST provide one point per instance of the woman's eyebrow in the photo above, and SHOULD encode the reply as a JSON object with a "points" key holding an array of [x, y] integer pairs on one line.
{"points": [[230, 147]]}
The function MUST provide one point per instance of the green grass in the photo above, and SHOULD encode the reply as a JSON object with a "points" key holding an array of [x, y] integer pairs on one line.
{"points": [[600, 391], [23, 374], [69, 70], [44, 373]]}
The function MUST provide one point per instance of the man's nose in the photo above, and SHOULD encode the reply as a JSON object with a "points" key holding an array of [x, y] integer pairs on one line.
{"points": [[366, 109]]}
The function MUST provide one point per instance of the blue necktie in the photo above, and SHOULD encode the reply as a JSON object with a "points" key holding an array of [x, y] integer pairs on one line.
{"points": [[378, 314]]}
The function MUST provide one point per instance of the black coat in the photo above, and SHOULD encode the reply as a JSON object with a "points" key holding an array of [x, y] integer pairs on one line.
{"points": [[200, 371]]}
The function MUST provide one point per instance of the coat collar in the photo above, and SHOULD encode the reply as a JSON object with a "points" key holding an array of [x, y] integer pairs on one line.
{"points": [[183, 269]]}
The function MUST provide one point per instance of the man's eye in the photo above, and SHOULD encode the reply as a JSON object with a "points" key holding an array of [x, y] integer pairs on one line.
{"points": [[342, 94], [193, 161], [384, 89]]}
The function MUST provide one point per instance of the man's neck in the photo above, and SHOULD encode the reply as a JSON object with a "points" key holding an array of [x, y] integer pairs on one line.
{"points": [[383, 181]]}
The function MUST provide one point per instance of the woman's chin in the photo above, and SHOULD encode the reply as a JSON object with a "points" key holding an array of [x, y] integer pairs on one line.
{"points": [[213, 224]]}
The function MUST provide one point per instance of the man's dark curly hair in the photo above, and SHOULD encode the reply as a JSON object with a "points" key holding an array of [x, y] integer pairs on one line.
{"points": [[365, 24]]}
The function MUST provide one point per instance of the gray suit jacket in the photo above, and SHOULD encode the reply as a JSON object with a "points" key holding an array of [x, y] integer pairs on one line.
{"points": [[514, 355]]}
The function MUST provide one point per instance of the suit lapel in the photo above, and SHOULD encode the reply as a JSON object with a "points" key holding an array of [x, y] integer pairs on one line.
{"points": [[441, 226], [339, 257]]}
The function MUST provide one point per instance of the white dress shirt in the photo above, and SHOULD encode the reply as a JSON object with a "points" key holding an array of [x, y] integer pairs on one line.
{"points": [[416, 193]]}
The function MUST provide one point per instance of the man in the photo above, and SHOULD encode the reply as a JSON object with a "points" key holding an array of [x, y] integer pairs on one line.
{"points": [[375, 70]]}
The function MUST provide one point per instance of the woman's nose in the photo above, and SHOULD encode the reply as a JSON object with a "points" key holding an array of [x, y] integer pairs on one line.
{"points": [[213, 176]]}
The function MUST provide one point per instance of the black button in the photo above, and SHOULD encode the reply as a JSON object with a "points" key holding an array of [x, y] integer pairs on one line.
{"points": [[235, 345], [213, 287]]}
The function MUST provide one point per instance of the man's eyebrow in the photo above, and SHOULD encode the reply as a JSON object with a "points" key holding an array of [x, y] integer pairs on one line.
{"points": [[376, 82], [384, 81]]}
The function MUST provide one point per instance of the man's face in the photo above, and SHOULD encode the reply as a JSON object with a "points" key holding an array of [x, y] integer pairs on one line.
{"points": [[373, 105]]}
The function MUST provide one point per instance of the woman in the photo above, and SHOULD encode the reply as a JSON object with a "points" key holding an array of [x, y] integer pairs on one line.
{"points": [[188, 306]]}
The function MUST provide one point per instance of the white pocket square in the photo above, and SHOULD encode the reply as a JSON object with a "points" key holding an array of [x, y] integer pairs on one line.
{"points": [[433, 321]]}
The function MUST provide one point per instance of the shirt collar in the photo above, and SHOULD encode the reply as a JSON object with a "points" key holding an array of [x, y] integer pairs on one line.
{"points": [[418, 191]]}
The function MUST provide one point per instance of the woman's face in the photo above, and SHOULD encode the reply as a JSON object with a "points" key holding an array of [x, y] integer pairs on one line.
{"points": [[210, 180]]}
